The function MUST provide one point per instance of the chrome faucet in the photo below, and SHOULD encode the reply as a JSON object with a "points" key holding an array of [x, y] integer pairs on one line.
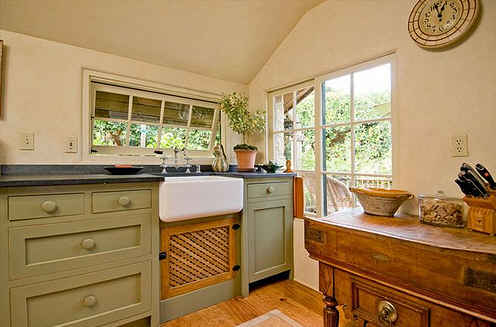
{"points": [[187, 160], [163, 164]]}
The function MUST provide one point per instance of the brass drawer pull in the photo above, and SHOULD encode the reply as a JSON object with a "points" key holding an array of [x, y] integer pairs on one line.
{"points": [[270, 189], [88, 244], [49, 206], [89, 301], [381, 257], [387, 313], [124, 201]]}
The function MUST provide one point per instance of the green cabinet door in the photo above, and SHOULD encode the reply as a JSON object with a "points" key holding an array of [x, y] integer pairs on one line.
{"points": [[270, 238]]}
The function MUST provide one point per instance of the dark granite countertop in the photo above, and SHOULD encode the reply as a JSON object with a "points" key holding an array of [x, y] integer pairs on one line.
{"points": [[45, 175]]}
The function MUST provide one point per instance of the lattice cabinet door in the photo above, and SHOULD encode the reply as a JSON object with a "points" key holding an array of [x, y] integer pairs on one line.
{"points": [[198, 255]]}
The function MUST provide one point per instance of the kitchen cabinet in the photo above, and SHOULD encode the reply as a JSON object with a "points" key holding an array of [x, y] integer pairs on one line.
{"points": [[89, 251], [267, 228]]}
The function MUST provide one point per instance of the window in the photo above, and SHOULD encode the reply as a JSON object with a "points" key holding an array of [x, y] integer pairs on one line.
{"points": [[134, 122], [343, 140]]}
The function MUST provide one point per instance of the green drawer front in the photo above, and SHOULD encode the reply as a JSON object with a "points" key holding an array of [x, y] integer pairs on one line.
{"points": [[268, 190], [51, 248], [121, 200], [43, 206], [87, 300]]}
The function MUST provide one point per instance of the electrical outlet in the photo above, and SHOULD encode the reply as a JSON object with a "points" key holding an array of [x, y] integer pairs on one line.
{"points": [[459, 145], [71, 145], [25, 141]]}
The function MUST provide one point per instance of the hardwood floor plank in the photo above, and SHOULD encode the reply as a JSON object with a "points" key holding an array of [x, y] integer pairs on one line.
{"points": [[296, 301]]}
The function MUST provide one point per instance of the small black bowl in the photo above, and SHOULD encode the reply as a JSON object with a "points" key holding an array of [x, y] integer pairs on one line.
{"points": [[123, 170]]}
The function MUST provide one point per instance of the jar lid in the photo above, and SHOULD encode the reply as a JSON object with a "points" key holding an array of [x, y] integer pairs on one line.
{"points": [[439, 195]]}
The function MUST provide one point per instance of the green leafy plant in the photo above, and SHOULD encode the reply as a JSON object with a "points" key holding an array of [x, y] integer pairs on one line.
{"points": [[241, 121], [245, 147]]}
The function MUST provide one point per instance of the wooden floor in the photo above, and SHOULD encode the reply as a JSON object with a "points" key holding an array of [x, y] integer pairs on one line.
{"points": [[296, 301]]}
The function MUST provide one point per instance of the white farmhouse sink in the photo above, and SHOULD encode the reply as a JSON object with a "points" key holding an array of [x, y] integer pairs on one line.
{"points": [[183, 198]]}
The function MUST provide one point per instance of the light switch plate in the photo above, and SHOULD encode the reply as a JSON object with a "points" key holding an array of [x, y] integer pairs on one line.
{"points": [[459, 145], [71, 145], [25, 141]]}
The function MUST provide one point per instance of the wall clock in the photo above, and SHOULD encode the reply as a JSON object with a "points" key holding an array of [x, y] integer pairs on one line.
{"points": [[440, 23]]}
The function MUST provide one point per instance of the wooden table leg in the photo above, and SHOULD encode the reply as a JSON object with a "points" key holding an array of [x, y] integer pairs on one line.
{"points": [[331, 314]]}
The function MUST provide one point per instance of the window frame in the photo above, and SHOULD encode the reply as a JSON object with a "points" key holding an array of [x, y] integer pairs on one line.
{"points": [[94, 80], [318, 84]]}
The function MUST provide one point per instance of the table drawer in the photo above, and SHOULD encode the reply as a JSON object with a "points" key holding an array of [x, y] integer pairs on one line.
{"points": [[121, 200], [43, 206], [87, 300], [383, 307], [44, 249], [269, 190]]}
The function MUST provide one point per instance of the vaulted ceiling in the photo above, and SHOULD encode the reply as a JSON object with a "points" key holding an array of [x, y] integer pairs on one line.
{"points": [[225, 39]]}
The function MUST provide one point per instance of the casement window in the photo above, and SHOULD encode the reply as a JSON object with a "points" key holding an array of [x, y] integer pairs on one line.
{"points": [[128, 121], [337, 130]]}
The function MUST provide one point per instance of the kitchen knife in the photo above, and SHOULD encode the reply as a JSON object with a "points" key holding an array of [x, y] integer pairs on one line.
{"points": [[466, 167], [470, 186], [487, 176], [464, 187], [469, 176]]}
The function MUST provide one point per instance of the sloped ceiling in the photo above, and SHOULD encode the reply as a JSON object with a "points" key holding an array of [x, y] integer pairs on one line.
{"points": [[225, 39]]}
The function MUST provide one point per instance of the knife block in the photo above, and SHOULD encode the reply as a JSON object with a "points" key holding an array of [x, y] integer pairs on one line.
{"points": [[482, 214]]}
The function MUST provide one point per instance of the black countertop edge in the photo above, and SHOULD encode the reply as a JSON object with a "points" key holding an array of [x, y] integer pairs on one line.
{"points": [[49, 180]]}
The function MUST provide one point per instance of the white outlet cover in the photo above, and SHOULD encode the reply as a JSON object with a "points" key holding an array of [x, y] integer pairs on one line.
{"points": [[459, 145], [25, 141], [71, 145]]}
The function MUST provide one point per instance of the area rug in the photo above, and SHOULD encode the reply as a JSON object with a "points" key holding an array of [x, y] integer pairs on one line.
{"points": [[274, 318]]}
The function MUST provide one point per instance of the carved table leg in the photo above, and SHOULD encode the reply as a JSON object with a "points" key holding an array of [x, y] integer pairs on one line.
{"points": [[331, 314]]}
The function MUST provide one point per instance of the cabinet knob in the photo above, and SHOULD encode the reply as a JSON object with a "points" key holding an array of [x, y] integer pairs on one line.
{"points": [[387, 313], [89, 301], [49, 206], [124, 201], [88, 244], [270, 189]]}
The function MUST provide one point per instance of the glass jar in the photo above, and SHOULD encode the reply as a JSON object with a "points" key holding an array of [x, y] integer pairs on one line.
{"points": [[440, 210]]}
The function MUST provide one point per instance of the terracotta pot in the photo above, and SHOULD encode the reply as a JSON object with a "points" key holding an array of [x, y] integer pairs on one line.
{"points": [[246, 159]]}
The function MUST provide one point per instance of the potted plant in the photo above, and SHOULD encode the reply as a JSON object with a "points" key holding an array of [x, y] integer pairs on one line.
{"points": [[243, 122]]}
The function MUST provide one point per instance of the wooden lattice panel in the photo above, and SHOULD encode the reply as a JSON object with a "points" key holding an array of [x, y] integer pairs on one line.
{"points": [[198, 255]]}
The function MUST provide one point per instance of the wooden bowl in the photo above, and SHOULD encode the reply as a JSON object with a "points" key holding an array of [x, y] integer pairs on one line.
{"points": [[381, 202]]}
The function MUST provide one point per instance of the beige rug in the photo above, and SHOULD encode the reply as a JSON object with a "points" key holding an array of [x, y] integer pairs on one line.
{"points": [[274, 318]]}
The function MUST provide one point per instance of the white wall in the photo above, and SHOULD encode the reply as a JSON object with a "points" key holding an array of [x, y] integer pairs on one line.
{"points": [[42, 93], [440, 93]]}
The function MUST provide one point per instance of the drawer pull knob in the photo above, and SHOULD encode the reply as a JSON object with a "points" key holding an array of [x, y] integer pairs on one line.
{"points": [[124, 201], [89, 301], [270, 189], [88, 244], [49, 206], [387, 313]]}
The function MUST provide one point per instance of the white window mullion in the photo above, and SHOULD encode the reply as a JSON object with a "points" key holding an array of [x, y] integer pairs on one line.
{"points": [[159, 134], [352, 127], [318, 109], [129, 115]]}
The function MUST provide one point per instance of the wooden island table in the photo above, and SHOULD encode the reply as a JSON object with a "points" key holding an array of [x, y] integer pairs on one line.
{"points": [[386, 271]]}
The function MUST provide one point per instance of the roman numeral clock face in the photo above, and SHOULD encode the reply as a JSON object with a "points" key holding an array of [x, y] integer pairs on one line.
{"points": [[440, 23]]}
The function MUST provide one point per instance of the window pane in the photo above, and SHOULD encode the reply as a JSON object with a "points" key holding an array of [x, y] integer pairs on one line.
{"points": [[374, 182], [109, 133], [283, 148], [173, 138], [305, 108], [372, 92], [144, 136], [283, 112], [202, 117], [304, 155], [310, 185], [373, 148], [337, 99], [337, 149], [176, 113], [199, 140], [111, 105], [146, 110], [338, 195]]}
